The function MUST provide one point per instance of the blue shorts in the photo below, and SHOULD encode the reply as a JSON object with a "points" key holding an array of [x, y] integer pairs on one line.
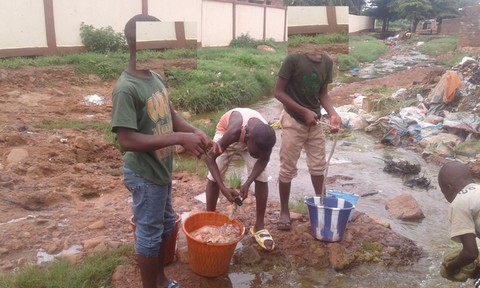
{"points": [[152, 211]]}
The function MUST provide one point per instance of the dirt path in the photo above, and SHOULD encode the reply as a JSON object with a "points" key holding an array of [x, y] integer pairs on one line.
{"points": [[61, 187]]}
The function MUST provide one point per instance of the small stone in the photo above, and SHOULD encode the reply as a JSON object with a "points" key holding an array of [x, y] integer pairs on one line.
{"points": [[100, 224], [17, 155]]}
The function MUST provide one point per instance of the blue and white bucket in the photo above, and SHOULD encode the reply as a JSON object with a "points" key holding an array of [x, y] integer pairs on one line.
{"points": [[328, 218], [350, 197]]}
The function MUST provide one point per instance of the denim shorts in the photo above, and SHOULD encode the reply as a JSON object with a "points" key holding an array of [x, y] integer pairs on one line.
{"points": [[152, 211]]}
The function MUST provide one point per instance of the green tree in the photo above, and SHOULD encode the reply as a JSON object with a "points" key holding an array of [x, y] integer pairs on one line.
{"points": [[380, 9], [413, 10]]}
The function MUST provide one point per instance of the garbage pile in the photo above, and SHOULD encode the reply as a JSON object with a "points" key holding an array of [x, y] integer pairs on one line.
{"points": [[443, 119]]}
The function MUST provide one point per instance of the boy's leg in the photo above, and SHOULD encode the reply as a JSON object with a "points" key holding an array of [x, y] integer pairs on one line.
{"points": [[317, 182], [212, 192], [284, 191], [316, 160], [293, 136], [148, 205], [170, 219], [261, 196]]}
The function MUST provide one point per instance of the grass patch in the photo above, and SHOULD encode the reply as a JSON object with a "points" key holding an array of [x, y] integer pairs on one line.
{"points": [[108, 66], [190, 164], [438, 46], [297, 205], [94, 271], [366, 48], [346, 62], [225, 78], [299, 40], [453, 60], [234, 180]]}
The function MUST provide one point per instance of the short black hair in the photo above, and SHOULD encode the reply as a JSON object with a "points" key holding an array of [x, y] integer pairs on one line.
{"points": [[263, 136]]}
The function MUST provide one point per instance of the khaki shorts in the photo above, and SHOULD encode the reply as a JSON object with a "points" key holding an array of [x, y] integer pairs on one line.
{"points": [[295, 137], [240, 149]]}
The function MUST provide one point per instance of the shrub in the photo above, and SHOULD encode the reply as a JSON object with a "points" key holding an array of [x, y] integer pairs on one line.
{"points": [[102, 40], [244, 41]]}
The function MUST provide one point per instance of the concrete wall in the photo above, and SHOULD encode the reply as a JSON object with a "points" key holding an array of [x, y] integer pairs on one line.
{"points": [[317, 19], [16, 31], [53, 26], [223, 26], [69, 15], [469, 40], [360, 23], [450, 26], [249, 19]]}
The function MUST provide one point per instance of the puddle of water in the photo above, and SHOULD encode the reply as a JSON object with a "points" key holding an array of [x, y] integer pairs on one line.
{"points": [[358, 168]]}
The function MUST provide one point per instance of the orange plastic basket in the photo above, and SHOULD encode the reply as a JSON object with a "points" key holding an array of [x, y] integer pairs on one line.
{"points": [[209, 260]]}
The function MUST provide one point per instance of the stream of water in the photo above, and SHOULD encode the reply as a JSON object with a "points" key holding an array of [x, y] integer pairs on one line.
{"points": [[358, 167]]}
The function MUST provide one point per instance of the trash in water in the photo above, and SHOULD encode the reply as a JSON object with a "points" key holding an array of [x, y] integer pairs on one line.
{"points": [[420, 182], [401, 167]]}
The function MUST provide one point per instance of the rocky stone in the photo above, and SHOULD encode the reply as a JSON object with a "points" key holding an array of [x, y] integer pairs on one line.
{"points": [[247, 255], [82, 143], [17, 155], [265, 48], [339, 257], [296, 216], [100, 224], [404, 207], [93, 242]]}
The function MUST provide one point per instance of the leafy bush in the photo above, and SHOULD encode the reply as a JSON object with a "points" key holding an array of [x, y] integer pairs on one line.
{"points": [[244, 41], [102, 40]]}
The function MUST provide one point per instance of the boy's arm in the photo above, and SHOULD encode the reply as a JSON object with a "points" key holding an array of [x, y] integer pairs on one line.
{"points": [[209, 159], [468, 254], [309, 116], [258, 168], [326, 102], [131, 140]]}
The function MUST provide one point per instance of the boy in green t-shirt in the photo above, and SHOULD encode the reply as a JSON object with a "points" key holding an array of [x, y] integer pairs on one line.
{"points": [[302, 87], [147, 129]]}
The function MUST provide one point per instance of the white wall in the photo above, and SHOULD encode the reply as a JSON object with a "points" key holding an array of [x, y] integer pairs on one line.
{"points": [[307, 15], [217, 31], [249, 19], [342, 15], [275, 28], [360, 23], [23, 25], [179, 10], [70, 14]]}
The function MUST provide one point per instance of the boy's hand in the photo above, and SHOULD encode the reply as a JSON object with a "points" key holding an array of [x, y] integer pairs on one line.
{"points": [[244, 191], [230, 194], [335, 123], [310, 117], [193, 143]]}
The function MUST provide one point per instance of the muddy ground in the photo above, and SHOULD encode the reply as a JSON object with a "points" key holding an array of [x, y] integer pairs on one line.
{"points": [[62, 187]]}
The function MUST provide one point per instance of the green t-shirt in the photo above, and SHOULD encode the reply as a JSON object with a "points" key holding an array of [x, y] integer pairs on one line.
{"points": [[143, 104], [305, 79]]}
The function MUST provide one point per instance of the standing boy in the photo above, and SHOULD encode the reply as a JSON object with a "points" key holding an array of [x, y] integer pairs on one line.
{"points": [[302, 88], [456, 183], [147, 129], [244, 132]]}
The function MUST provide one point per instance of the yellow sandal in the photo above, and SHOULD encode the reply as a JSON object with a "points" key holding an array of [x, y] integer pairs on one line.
{"points": [[261, 236]]}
